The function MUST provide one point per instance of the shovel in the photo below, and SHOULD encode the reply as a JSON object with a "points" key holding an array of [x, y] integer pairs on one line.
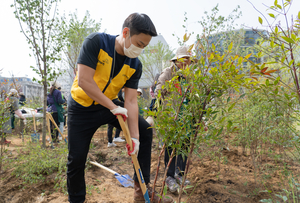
{"points": [[49, 130], [136, 164], [35, 137], [125, 180], [54, 123]]}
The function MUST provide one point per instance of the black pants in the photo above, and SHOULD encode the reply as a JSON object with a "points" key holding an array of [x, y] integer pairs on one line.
{"points": [[54, 131], [179, 166], [81, 128], [110, 131]]}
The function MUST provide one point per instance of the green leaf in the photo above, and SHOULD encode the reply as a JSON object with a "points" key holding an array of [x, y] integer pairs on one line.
{"points": [[287, 39], [299, 15], [271, 15], [276, 29], [228, 99], [213, 47], [277, 81], [260, 20], [242, 95], [267, 82], [230, 46], [231, 107], [278, 6]]}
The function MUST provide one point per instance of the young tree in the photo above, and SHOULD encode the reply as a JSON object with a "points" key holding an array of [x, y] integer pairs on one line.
{"points": [[281, 49], [74, 31], [37, 22]]}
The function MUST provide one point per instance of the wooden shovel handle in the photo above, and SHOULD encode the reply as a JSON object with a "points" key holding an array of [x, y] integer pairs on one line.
{"points": [[136, 164], [33, 117], [48, 125], [125, 130], [53, 121]]}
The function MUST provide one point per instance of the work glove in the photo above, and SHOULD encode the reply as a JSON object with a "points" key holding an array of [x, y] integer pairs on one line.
{"points": [[135, 147], [150, 120], [120, 111], [25, 121]]}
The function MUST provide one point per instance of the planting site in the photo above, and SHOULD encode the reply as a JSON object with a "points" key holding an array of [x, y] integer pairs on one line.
{"points": [[230, 180]]}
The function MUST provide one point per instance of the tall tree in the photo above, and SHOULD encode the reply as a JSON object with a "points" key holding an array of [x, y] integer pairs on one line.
{"points": [[74, 31], [37, 22]]}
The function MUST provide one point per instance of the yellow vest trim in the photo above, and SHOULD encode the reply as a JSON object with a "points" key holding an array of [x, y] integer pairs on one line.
{"points": [[101, 77]]}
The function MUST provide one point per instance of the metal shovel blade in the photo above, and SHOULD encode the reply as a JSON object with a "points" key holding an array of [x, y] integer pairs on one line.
{"points": [[125, 180]]}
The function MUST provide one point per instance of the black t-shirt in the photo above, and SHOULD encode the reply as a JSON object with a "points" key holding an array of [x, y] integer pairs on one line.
{"points": [[89, 56]]}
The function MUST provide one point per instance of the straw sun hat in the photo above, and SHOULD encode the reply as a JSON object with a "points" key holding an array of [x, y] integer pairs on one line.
{"points": [[181, 52]]}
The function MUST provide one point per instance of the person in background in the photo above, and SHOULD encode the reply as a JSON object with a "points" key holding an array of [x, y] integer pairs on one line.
{"points": [[22, 100], [62, 124], [176, 169], [55, 101], [140, 101], [12, 101], [111, 142]]}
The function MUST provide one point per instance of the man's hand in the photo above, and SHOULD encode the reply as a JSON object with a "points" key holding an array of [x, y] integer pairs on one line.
{"points": [[120, 111], [135, 147], [150, 120]]}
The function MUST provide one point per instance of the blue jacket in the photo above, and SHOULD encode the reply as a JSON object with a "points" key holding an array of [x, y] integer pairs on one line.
{"points": [[58, 98]]}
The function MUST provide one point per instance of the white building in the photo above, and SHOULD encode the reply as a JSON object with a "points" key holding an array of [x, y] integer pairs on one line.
{"points": [[146, 82], [65, 81], [31, 90]]}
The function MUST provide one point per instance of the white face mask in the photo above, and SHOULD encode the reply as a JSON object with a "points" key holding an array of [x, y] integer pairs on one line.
{"points": [[132, 51]]}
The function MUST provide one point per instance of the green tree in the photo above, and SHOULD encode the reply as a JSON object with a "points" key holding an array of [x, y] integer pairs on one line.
{"points": [[74, 31], [37, 22], [280, 48], [154, 59]]}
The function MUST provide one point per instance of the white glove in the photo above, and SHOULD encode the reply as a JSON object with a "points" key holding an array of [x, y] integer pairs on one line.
{"points": [[135, 146], [120, 111], [150, 120], [25, 121]]}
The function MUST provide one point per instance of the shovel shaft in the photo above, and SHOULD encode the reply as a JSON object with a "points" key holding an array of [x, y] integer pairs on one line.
{"points": [[54, 123], [136, 164], [33, 117], [103, 167]]}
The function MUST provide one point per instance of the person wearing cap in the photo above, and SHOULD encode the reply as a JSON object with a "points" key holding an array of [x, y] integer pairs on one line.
{"points": [[13, 103], [106, 64], [175, 173], [140, 101], [55, 101]]}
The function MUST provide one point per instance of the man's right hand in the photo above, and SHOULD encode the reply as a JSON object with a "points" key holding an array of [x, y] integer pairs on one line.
{"points": [[120, 111]]}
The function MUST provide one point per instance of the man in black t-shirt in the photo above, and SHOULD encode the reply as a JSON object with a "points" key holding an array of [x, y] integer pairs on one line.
{"points": [[107, 63]]}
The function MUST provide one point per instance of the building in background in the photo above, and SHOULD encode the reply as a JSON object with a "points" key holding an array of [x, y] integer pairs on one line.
{"points": [[32, 90], [244, 39], [145, 81], [66, 80]]}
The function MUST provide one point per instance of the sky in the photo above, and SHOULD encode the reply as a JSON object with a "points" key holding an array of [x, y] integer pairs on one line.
{"points": [[167, 16]]}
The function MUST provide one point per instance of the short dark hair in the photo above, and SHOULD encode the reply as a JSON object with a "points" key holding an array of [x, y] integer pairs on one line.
{"points": [[139, 23]]}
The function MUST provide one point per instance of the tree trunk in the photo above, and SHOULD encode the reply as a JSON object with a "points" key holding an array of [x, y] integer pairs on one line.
{"points": [[45, 112]]}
